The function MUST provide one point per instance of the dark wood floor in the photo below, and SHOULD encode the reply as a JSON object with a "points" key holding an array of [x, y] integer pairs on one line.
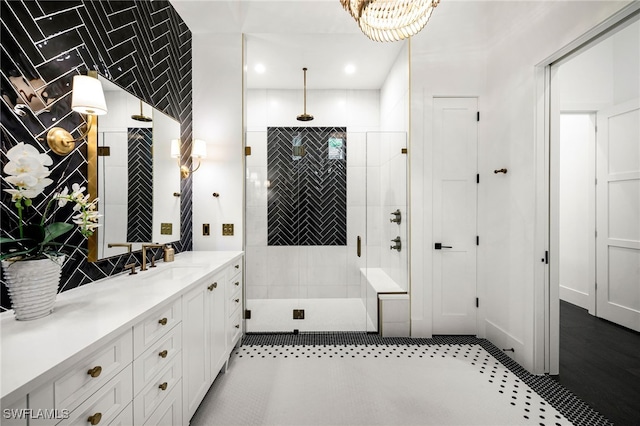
{"points": [[600, 363]]}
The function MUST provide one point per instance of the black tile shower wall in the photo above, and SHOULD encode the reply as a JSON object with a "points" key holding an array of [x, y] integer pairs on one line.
{"points": [[143, 46], [140, 191], [307, 195]]}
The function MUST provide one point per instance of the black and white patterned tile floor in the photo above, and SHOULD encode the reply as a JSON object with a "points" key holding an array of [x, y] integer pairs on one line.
{"points": [[360, 379]]}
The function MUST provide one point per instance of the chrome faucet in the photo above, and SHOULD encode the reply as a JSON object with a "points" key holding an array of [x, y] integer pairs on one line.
{"points": [[127, 245], [397, 244], [144, 255]]}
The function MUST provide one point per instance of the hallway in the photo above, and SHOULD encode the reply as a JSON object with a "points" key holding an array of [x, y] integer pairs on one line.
{"points": [[600, 363]]}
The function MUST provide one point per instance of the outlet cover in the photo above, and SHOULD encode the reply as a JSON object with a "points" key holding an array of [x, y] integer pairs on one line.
{"points": [[298, 314], [205, 229], [166, 228], [227, 229]]}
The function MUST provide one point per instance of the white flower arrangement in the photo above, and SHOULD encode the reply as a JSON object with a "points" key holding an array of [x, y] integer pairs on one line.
{"points": [[27, 173]]}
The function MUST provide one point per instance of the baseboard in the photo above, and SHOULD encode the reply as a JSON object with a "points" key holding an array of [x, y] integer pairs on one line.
{"points": [[574, 297], [510, 345]]}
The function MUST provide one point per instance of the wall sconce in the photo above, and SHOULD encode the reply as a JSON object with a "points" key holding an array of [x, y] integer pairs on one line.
{"points": [[87, 98], [198, 151]]}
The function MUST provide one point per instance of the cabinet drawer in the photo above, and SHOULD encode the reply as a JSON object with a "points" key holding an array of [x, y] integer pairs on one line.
{"points": [[235, 328], [157, 390], [170, 412], [156, 358], [236, 268], [106, 404], [234, 303], [155, 326], [125, 418], [68, 390]]}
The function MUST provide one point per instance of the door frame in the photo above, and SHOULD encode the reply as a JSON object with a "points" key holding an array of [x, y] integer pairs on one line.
{"points": [[546, 296]]}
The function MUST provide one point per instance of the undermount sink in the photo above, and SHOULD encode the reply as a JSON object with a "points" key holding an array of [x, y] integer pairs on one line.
{"points": [[171, 273]]}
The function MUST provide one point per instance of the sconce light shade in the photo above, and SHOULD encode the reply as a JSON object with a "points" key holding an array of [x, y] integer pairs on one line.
{"points": [[175, 148], [199, 149], [87, 96]]}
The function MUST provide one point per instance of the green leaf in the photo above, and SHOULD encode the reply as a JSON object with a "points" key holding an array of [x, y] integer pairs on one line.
{"points": [[54, 230], [15, 254]]}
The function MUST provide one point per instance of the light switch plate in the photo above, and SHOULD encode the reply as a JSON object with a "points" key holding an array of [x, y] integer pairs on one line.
{"points": [[205, 229]]}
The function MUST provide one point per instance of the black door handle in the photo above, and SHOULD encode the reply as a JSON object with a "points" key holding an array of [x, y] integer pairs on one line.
{"points": [[439, 246]]}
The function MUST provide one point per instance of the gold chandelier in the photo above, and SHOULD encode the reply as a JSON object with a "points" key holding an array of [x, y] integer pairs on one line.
{"points": [[390, 20]]}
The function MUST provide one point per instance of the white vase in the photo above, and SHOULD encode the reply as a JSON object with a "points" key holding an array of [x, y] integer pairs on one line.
{"points": [[33, 286]]}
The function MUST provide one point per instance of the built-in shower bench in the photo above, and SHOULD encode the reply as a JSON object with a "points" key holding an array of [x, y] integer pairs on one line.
{"points": [[387, 303]]}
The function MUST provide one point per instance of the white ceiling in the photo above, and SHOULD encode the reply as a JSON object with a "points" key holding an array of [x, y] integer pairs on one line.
{"points": [[286, 36]]}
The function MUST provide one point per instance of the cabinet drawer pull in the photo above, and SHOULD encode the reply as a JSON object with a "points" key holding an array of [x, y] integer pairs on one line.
{"points": [[163, 386], [237, 266], [95, 419], [237, 325], [163, 354], [237, 283], [162, 321], [212, 286], [95, 372]]}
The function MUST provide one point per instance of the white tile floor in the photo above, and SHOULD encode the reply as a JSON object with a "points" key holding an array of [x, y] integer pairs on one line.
{"points": [[276, 315], [371, 385]]}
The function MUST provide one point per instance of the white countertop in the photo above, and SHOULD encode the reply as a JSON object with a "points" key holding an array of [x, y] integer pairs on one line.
{"points": [[95, 312]]}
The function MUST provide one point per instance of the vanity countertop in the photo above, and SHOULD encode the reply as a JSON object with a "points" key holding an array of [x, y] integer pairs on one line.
{"points": [[92, 313]]}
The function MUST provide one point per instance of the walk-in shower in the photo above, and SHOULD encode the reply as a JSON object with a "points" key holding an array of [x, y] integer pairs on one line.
{"points": [[326, 230]]}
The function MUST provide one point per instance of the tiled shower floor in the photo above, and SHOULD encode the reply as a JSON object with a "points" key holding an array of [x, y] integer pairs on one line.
{"points": [[276, 315], [359, 379]]}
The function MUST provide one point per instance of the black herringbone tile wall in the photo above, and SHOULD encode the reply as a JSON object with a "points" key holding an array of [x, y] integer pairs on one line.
{"points": [[143, 46], [307, 196], [140, 192]]}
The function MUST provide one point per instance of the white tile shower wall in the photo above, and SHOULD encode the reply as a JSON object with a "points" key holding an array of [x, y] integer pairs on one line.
{"points": [[312, 271]]}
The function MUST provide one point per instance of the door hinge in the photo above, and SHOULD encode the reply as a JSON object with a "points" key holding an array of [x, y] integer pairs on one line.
{"points": [[477, 302], [478, 116], [478, 178], [477, 240]]}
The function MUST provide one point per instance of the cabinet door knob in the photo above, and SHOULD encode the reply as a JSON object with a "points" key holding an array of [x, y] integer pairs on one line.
{"points": [[237, 283], [237, 300], [237, 266], [95, 372], [163, 386], [163, 354], [162, 321], [212, 286], [95, 419], [237, 325]]}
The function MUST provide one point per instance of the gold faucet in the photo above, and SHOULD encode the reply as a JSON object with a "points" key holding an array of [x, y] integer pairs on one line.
{"points": [[144, 256], [127, 245]]}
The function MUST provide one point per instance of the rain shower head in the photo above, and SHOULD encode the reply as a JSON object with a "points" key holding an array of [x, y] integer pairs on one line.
{"points": [[304, 116], [141, 117]]}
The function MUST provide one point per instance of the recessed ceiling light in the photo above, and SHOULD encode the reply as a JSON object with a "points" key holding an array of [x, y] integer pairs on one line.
{"points": [[259, 68], [350, 69]]}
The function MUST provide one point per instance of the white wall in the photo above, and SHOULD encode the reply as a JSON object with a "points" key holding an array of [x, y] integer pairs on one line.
{"points": [[217, 119], [577, 208], [522, 35]]}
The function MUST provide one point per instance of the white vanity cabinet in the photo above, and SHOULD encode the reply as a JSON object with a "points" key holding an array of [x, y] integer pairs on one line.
{"points": [[212, 326], [140, 350]]}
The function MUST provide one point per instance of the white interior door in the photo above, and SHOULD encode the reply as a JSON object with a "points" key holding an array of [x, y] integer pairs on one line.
{"points": [[618, 215], [455, 153]]}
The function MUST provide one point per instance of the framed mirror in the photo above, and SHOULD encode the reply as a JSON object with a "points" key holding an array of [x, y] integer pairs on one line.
{"points": [[134, 175]]}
